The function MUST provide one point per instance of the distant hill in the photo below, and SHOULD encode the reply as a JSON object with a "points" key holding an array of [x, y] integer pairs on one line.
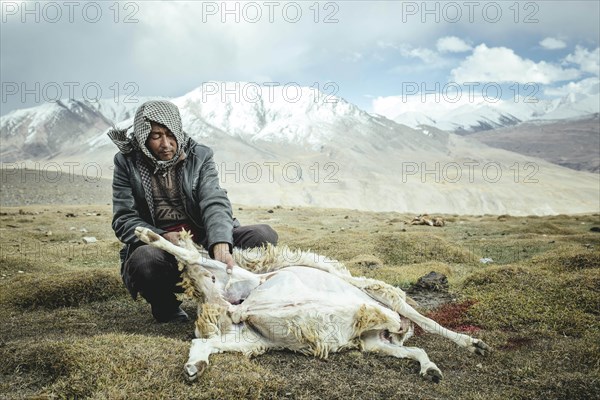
{"points": [[573, 143], [22, 187]]}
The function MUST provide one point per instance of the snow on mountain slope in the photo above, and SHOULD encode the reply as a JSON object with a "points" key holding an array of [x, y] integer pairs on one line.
{"points": [[295, 115], [573, 106], [485, 115], [119, 109], [44, 130]]}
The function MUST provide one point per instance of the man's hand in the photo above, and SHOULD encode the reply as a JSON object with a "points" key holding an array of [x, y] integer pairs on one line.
{"points": [[221, 253], [172, 237]]}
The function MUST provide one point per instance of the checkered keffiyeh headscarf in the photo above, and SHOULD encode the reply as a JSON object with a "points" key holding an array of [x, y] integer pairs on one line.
{"points": [[164, 113], [159, 111]]}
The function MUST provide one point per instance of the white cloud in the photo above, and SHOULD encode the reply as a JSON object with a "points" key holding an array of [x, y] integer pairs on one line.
{"points": [[452, 44], [423, 54], [501, 64], [354, 57], [387, 106], [588, 86], [426, 55], [382, 44], [588, 61], [430, 58], [551, 43], [393, 106]]}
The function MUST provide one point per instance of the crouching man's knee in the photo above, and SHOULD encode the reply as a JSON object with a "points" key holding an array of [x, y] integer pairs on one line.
{"points": [[246, 237]]}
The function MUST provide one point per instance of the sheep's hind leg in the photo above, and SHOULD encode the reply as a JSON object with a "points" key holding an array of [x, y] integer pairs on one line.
{"points": [[428, 370], [238, 339], [476, 346], [393, 298]]}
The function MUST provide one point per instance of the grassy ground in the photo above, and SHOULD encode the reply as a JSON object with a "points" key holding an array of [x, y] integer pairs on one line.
{"points": [[69, 329]]}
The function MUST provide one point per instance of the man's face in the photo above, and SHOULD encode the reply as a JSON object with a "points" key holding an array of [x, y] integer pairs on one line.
{"points": [[161, 142]]}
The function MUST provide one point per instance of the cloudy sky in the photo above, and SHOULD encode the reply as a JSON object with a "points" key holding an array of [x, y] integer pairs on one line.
{"points": [[376, 54]]}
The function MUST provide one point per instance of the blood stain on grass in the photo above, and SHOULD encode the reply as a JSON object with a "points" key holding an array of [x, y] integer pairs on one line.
{"points": [[515, 343], [452, 316]]}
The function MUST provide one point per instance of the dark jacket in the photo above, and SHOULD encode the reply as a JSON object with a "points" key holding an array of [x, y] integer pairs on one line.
{"points": [[205, 202]]}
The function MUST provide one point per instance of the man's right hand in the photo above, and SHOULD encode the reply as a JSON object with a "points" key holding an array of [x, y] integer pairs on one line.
{"points": [[172, 237], [221, 253]]}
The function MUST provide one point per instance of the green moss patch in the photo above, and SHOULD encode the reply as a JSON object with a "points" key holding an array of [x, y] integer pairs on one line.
{"points": [[66, 289], [11, 265], [571, 257], [518, 299], [413, 248], [544, 227]]}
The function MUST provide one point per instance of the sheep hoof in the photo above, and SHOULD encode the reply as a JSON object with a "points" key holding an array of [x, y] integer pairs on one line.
{"points": [[479, 347], [194, 370], [432, 375], [146, 235]]}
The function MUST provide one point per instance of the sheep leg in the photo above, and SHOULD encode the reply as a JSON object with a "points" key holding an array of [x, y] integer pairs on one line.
{"points": [[187, 256], [394, 300], [237, 339], [428, 370], [198, 359], [473, 345]]}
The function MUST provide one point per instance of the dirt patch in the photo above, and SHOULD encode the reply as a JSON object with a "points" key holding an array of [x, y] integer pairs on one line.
{"points": [[431, 300], [431, 291]]}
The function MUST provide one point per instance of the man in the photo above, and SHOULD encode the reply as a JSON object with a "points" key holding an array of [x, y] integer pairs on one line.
{"points": [[165, 181]]}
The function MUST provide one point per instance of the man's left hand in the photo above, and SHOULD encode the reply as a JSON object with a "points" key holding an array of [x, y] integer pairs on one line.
{"points": [[172, 237], [221, 253]]}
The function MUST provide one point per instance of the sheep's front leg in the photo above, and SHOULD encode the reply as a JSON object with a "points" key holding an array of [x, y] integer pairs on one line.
{"points": [[198, 359], [154, 239], [374, 342], [238, 339]]}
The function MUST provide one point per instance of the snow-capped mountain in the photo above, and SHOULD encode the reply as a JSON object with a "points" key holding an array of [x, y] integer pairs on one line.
{"points": [[268, 113], [307, 148], [484, 115], [40, 132]]}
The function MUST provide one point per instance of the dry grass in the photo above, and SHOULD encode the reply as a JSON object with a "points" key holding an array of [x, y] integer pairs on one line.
{"points": [[70, 330]]}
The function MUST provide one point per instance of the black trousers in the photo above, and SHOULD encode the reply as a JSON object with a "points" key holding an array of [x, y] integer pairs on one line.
{"points": [[153, 272]]}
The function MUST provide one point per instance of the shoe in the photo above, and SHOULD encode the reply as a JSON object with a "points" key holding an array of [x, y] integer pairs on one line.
{"points": [[173, 315]]}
